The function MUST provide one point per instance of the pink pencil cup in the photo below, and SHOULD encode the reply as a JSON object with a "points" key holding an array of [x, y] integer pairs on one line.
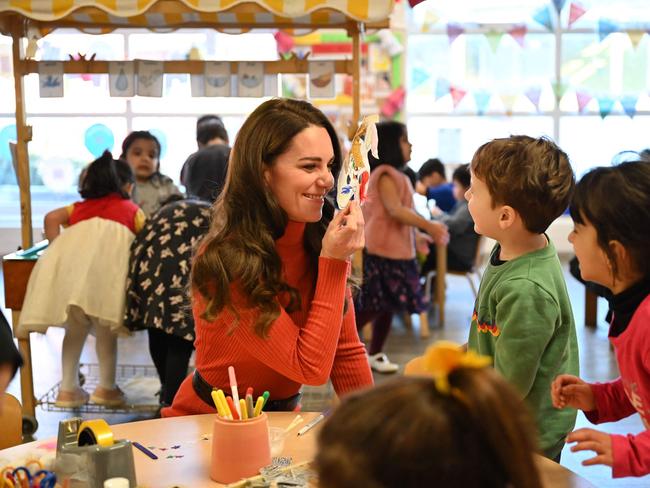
{"points": [[239, 448]]}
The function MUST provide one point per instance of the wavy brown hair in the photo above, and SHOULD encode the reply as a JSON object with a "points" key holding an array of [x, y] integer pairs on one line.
{"points": [[406, 434], [247, 218]]}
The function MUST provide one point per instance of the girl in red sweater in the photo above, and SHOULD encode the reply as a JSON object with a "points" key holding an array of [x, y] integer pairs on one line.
{"points": [[270, 282], [612, 243]]}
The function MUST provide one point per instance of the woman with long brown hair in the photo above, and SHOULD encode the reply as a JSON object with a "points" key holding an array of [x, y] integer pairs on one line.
{"points": [[270, 281]]}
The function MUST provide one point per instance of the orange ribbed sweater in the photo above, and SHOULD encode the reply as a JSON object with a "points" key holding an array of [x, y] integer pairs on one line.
{"points": [[307, 346]]}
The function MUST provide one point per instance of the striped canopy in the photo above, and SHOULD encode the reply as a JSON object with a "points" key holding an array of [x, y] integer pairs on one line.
{"points": [[225, 15]]}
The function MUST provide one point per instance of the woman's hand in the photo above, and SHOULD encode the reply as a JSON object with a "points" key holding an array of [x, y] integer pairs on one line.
{"points": [[593, 440], [570, 391], [422, 242], [345, 234], [438, 231]]}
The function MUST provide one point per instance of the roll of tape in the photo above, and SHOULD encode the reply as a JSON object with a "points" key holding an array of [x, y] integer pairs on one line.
{"points": [[95, 432]]}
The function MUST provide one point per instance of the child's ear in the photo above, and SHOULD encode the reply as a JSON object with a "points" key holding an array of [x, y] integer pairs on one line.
{"points": [[624, 265], [507, 217]]}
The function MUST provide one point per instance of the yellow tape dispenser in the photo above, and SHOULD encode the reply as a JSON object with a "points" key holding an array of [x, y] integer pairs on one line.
{"points": [[94, 432]]}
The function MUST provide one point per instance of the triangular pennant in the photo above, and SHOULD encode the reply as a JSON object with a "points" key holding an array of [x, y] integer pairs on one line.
{"points": [[509, 102], [559, 5], [605, 105], [482, 99], [583, 99], [494, 38], [430, 19], [533, 94], [629, 105], [605, 28], [635, 36], [575, 12], [419, 77], [457, 94], [453, 31], [543, 16], [442, 87], [518, 33], [559, 89]]}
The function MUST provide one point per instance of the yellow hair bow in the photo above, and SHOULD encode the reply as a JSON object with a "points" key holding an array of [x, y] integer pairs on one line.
{"points": [[443, 357]]}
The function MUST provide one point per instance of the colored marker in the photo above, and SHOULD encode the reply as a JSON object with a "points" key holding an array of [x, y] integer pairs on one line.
{"points": [[249, 405], [313, 423], [249, 391], [217, 403], [244, 410], [231, 406], [144, 449], [233, 387], [266, 396], [258, 406], [224, 404]]}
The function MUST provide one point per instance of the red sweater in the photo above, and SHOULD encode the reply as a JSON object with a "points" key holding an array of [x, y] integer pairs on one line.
{"points": [[307, 346], [628, 394], [111, 207]]}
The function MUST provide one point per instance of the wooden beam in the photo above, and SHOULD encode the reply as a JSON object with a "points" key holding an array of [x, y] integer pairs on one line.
{"points": [[356, 78], [24, 135]]}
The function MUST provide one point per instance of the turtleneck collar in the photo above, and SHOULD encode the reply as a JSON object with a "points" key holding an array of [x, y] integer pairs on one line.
{"points": [[624, 304], [293, 234]]}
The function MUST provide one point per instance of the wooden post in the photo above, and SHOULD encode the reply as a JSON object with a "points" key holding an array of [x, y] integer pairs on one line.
{"points": [[26, 379], [356, 79], [24, 135], [441, 273]]}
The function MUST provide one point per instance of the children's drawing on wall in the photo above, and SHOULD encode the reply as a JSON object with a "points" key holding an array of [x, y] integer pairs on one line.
{"points": [[217, 78], [250, 79], [50, 79], [150, 78], [321, 79], [121, 78]]}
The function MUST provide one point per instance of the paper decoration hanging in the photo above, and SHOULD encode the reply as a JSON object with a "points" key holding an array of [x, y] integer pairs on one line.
{"points": [[453, 31], [457, 95], [559, 89], [121, 78], [430, 19], [50, 79], [197, 87], [635, 36], [321, 79], [543, 16], [629, 105], [605, 105], [509, 101], [250, 79], [354, 174], [284, 41], [605, 28], [418, 77], [150, 78], [583, 99], [559, 5], [518, 33], [575, 12], [442, 88], [482, 99], [216, 75], [390, 43], [493, 39], [271, 85], [393, 103], [533, 94]]}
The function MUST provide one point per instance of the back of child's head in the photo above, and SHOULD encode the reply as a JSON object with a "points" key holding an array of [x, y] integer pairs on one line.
{"points": [[210, 127], [430, 166], [389, 150], [533, 176], [408, 433], [462, 175], [205, 173], [138, 135], [105, 176], [616, 201]]}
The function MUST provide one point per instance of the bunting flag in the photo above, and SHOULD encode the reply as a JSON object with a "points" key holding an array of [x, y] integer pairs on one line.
{"points": [[518, 33], [493, 39], [533, 94], [575, 12], [453, 31], [583, 99], [635, 36], [457, 95], [559, 5], [559, 89], [509, 102], [413, 3], [605, 28], [284, 41], [629, 105], [482, 99], [442, 88], [543, 16], [605, 105], [430, 19], [419, 77]]}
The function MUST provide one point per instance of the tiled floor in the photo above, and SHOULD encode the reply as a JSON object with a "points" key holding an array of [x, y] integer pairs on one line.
{"points": [[597, 363]]}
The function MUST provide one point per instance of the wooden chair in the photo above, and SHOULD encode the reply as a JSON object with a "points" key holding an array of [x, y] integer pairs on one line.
{"points": [[11, 420]]}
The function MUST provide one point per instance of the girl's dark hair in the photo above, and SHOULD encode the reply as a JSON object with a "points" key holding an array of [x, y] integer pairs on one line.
{"points": [[389, 150], [140, 134], [105, 176], [462, 175], [406, 434], [247, 218], [616, 201]]}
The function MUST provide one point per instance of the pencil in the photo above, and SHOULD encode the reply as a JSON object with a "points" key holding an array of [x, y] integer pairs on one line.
{"points": [[144, 450]]}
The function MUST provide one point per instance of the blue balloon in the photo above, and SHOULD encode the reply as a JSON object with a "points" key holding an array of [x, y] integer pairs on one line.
{"points": [[98, 138], [7, 134], [162, 138]]}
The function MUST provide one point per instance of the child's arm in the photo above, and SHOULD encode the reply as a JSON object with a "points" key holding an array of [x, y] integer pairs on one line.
{"points": [[53, 222]]}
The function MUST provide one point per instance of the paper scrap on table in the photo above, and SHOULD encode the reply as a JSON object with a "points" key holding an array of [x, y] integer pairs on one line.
{"points": [[121, 78], [150, 78], [354, 175], [50, 79]]}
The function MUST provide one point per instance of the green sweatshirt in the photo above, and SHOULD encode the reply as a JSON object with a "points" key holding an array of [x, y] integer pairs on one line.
{"points": [[523, 319]]}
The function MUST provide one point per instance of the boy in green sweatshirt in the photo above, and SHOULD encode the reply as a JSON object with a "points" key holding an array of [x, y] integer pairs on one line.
{"points": [[522, 316]]}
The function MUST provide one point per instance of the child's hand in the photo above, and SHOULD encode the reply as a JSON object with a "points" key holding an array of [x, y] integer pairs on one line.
{"points": [[593, 440], [570, 391]]}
